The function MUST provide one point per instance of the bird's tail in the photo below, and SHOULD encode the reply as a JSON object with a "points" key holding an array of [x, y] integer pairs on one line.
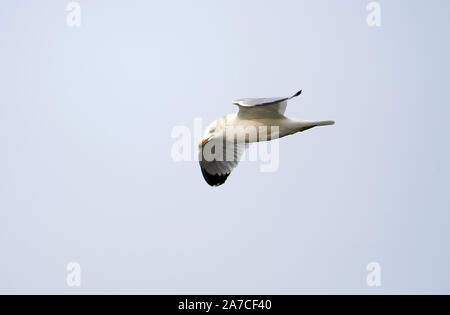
{"points": [[323, 123], [311, 124]]}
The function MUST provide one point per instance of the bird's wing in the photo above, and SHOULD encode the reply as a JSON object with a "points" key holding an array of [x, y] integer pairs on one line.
{"points": [[216, 170], [251, 108]]}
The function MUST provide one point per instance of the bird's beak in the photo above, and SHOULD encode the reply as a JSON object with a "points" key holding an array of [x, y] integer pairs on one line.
{"points": [[205, 141]]}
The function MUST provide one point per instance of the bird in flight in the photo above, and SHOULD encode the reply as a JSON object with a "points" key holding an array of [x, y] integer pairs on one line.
{"points": [[227, 138]]}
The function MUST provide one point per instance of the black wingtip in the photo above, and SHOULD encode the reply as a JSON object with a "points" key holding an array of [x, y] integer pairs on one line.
{"points": [[214, 180], [297, 94]]}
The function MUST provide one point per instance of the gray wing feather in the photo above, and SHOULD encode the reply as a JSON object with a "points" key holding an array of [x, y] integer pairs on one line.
{"points": [[216, 172], [263, 107], [251, 102]]}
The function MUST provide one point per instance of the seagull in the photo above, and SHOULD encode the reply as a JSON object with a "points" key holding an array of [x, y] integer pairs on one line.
{"points": [[229, 136]]}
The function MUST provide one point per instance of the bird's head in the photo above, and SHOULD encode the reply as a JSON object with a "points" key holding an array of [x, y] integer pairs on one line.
{"points": [[209, 134]]}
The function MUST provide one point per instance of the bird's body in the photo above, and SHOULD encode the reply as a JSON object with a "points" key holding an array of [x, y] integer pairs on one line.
{"points": [[287, 126], [258, 119]]}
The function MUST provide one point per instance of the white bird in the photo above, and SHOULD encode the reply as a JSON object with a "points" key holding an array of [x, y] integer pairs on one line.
{"points": [[226, 138]]}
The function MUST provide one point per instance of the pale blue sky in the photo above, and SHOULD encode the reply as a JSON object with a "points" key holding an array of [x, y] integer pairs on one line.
{"points": [[86, 173]]}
